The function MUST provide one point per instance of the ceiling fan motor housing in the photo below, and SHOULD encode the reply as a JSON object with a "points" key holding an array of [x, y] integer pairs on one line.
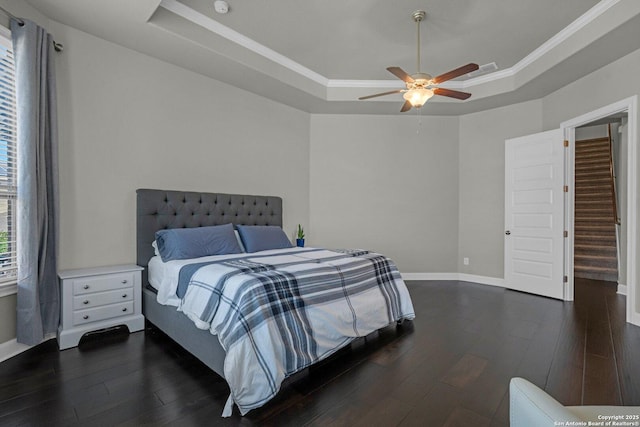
{"points": [[420, 80]]}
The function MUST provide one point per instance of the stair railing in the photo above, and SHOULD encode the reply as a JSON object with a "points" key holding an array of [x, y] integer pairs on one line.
{"points": [[613, 181]]}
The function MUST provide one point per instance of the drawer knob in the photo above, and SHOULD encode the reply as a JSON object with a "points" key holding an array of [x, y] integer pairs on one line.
{"points": [[124, 295], [86, 286], [124, 281], [85, 317], [85, 302], [124, 309]]}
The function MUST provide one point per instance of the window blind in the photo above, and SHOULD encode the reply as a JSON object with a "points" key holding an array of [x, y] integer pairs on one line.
{"points": [[8, 163]]}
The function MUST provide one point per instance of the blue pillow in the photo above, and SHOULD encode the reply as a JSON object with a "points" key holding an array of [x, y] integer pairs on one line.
{"points": [[185, 243], [262, 237]]}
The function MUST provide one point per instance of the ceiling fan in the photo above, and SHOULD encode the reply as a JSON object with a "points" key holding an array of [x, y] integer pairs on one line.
{"points": [[422, 86]]}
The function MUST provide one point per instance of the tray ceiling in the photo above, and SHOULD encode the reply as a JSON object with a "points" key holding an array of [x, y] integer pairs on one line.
{"points": [[320, 56]]}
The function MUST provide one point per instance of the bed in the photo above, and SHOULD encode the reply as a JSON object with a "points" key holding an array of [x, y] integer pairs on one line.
{"points": [[325, 298]]}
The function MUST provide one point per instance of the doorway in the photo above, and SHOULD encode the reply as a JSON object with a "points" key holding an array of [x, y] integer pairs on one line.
{"points": [[625, 112], [597, 222]]}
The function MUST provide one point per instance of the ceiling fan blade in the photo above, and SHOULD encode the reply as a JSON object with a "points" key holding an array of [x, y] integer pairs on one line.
{"points": [[455, 73], [451, 93], [380, 94], [401, 74], [406, 106]]}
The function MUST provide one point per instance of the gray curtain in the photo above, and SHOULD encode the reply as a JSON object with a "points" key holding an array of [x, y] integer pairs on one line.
{"points": [[38, 307]]}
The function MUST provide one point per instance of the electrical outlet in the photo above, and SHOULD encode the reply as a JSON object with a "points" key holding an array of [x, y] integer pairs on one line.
{"points": [[465, 261]]}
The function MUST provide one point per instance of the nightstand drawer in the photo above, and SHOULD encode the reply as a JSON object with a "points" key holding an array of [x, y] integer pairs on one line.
{"points": [[101, 313], [103, 283], [82, 302]]}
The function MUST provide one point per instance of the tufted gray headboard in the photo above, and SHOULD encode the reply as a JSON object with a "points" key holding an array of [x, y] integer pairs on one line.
{"points": [[161, 209]]}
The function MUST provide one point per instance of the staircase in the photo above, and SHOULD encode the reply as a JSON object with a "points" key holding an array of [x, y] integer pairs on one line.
{"points": [[595, 251]]}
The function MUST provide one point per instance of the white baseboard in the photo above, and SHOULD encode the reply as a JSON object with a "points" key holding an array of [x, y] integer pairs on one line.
{"points": [[429, 276], [483, 280], [622, 289], [11, 348]]}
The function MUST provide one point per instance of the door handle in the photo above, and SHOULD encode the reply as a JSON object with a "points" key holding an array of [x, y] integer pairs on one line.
{"points": [[507, 232]]}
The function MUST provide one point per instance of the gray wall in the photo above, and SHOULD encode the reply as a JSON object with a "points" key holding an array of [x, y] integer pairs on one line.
{"points": [[591, 132], [481, 215], [128, 121], [377, 183], [7, 318], [612, 83]]}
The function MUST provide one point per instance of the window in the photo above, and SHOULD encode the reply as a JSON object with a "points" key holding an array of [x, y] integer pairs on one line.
{"points": [[8, 153]]}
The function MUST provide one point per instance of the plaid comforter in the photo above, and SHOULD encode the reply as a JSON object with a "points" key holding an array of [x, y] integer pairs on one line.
{"points": [[275, 315]]}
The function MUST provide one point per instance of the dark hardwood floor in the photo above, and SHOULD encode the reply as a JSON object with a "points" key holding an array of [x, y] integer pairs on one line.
{"points": [[449, 367]]}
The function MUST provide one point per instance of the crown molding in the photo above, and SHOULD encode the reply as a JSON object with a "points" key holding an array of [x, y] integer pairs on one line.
{"points": [[571, 29], [241, 40], [214, 26], [383, 84]]}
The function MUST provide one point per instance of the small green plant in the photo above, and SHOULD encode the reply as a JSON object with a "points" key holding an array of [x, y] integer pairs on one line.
{"points": [[300, 232]]}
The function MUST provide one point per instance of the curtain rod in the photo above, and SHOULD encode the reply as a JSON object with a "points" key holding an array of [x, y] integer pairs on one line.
{"points": [[57, 46]]}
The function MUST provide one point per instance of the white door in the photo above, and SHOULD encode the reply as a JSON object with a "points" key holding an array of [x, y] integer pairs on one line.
{"points": [[534, 214]]}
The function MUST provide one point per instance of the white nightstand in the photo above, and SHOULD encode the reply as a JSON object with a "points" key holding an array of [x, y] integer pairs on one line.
{"points": [[98, 298]]}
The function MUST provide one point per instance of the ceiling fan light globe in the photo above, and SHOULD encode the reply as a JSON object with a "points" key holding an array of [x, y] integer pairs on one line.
{"points": [[418, 97]]}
